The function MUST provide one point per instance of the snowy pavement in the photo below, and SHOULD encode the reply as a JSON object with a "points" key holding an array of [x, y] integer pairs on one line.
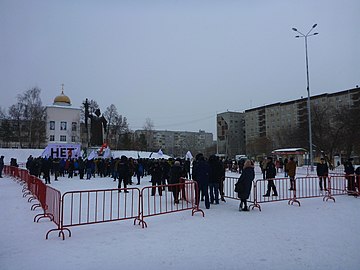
{"points": [[317, 235]]}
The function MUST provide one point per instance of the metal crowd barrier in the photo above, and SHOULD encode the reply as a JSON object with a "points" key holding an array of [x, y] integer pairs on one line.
{"points": [[96, 206], [229, 189], [153, 204], [76, 208]]}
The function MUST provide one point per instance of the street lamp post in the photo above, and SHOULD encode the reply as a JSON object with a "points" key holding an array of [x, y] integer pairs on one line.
{"points": [[308, 89]]}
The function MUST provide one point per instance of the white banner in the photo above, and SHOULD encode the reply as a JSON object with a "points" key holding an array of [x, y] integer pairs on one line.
{"points": [[62, 151]]}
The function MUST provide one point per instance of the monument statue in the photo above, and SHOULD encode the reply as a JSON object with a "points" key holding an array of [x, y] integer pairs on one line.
{"points": [[96, 131]]}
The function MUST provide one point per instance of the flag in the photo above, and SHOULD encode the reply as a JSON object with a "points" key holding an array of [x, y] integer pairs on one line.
{"points": [[189, 155], [46, 152], [92, 155], [107, 153]]}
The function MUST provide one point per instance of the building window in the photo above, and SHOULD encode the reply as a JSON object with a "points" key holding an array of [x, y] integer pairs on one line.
{"points": [[73, 126], [52, 125], [62, 138], [52, 138], [63, 126], [73, 138]]}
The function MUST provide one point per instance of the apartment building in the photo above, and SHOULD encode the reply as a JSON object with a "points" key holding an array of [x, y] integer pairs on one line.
{"points": [[231, 134], [267, 121], [177, 143]]}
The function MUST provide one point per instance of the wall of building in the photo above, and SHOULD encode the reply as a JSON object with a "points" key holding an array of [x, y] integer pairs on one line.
{"points": [[231, 134], [63, 114]]}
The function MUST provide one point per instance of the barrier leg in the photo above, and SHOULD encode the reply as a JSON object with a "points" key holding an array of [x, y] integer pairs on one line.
{"points": [[328, 192], [61, 232], [197, 209], [255, 204], [293, 199], [44, 215], [141, 221]]}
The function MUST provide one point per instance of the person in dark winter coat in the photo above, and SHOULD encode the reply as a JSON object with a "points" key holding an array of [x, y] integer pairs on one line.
{"points": [[156, 178], [45, 167], [176, 172], [322, 171], [270, 173], [214, 179], [357, 172], [349, 171], [123, 172], [1, 165], [244, 184], [81, 168], [200, 174]]}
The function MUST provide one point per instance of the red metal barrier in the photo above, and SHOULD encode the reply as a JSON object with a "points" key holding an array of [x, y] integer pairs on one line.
{"points": [[97, 206], [345, 184], [305, 187], [6, 169], [282, 188], [339, 170], [164, 204], [50, 202], [229, 189]]}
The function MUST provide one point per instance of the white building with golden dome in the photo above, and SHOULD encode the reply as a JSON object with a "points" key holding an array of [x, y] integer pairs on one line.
{"points": [[63, 121]]}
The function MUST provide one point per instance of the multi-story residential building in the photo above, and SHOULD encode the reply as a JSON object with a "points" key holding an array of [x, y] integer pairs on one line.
{"points": [[231, 134], [238, 132], [177, 143], [270, 120]]}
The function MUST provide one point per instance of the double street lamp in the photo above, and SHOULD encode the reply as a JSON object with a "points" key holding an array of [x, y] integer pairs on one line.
{"points": [[301, 35]]}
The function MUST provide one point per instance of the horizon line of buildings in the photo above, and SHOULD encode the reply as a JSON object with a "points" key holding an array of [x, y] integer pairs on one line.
{"points": [[235, 130]]}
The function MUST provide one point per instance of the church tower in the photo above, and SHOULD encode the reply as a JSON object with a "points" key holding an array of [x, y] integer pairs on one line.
{"points": [[63, 121]]}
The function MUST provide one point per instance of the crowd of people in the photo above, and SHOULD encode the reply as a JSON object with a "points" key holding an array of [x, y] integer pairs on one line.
{"points": [[208, 173]]}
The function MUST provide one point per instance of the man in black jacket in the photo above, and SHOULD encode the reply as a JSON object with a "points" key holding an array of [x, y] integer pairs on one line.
{"points": [[1, 165], [270, 173], [349, 171], [200, 174], [322, 171]]}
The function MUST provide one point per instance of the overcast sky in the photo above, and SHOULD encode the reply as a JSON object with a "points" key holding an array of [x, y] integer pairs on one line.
{"points": [[178, 63]]}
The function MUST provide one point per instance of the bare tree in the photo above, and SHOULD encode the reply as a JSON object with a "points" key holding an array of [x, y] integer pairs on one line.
{"points": [[16, 112], [2, 113], [110, 115], [149, 128], [119, 128], [29, 117], [6, 130], [347, 121], [34, 116]]}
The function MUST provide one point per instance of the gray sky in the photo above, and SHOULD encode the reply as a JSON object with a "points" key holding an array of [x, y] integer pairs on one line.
{"points": [[177, 62]]}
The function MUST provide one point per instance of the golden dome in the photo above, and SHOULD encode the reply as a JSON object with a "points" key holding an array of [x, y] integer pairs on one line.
{"points": [[62, 99]]}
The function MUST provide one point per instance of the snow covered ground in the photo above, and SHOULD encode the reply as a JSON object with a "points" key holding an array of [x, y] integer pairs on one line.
{"points": [[317, 235]]}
